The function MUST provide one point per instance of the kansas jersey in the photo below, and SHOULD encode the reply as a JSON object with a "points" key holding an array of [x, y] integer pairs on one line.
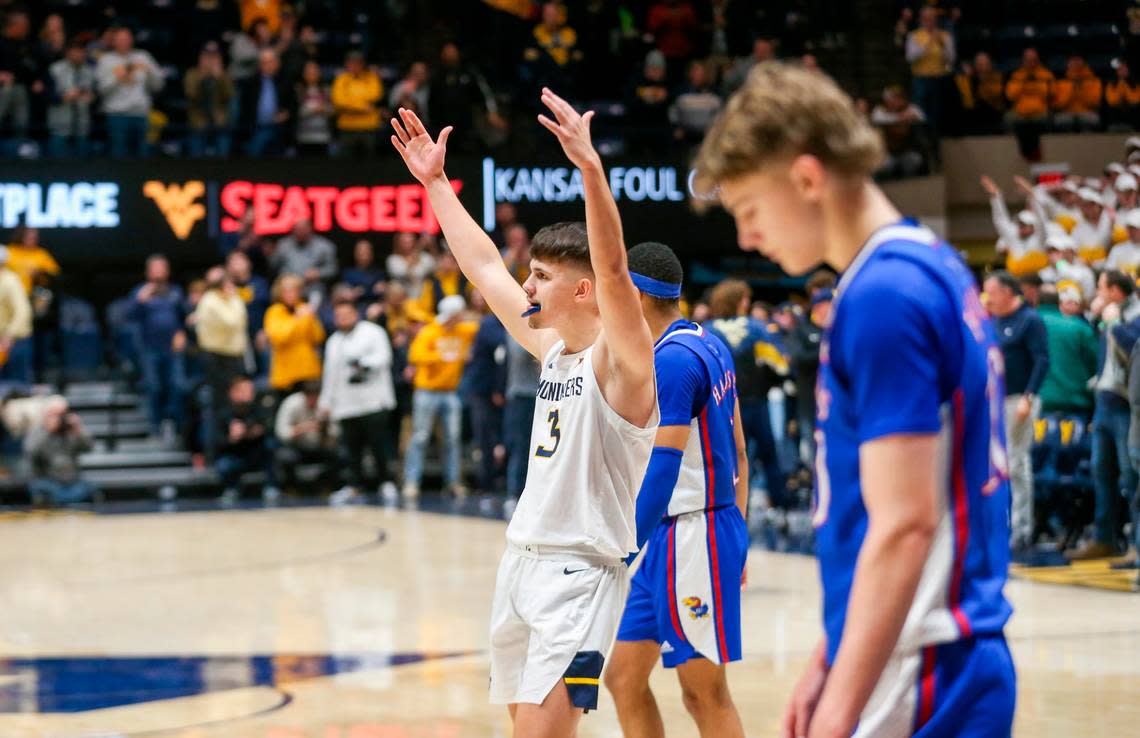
{"points": [[586, 465], [909, 349], [696, 386], [686, 594]]}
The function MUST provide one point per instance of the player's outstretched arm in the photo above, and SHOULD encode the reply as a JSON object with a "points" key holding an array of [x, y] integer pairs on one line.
{"points": [[473, 248], [628, 345]]}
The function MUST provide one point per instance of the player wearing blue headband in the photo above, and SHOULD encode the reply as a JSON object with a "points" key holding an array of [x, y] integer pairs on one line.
{"points": [[562, 580], [684, 601]]}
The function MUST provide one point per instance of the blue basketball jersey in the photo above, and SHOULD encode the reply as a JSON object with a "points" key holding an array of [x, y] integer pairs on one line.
{"points": [[696, 386], [909, 349]]}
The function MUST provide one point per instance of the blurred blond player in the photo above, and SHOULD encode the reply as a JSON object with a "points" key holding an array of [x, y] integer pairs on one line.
{"points": [[912, 494], [562, 581]]}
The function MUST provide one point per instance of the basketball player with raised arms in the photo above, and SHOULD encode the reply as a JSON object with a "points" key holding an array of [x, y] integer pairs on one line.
{"points": [[912, 493], [684, 601], [562, 581]]}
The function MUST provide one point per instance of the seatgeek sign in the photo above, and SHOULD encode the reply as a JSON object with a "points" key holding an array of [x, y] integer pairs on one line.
{"points": [[181, 207]]}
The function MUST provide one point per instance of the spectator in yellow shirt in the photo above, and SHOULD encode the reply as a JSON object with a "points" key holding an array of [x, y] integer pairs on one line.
{"points": [[1122, 99], [439, 354], [221, 323], [1028, 89], [27, 258], [1075, 98], [356, 95], [931, 53], [1028, 92], [295, 336]]}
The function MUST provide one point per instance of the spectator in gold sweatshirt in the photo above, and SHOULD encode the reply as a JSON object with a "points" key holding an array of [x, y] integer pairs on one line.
{"points": [[356, 95], [439, 353], [1122, 99], [1075, 98]]}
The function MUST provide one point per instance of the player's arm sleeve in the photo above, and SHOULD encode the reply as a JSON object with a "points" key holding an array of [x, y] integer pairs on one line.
{"points": [[656, 490], [680, 380], [893, 365]]}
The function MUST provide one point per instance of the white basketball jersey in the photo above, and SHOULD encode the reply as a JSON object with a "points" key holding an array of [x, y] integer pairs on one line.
{"points": [[586, 464]]}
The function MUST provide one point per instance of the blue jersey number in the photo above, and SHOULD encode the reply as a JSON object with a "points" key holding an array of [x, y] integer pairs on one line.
{"points": [[555, 435]]}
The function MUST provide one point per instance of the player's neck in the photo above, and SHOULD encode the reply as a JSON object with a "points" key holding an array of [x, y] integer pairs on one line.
{"points": [[577, 338], [856, 213], [659, 322]]}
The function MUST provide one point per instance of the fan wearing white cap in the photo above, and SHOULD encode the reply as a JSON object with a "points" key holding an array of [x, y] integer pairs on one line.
{"points": [[1093, 230], [1125, 187], [1060, 201], [1066, 267], [1022, 241], [1125, 256]]}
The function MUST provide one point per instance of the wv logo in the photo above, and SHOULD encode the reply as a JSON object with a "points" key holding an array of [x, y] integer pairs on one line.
{"points": [[178, 204]]}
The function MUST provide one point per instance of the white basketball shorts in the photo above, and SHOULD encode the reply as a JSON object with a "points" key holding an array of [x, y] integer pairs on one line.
{"points": [[554, 618]]}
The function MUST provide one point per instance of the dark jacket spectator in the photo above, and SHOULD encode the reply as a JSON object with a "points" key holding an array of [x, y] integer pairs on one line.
{"points": [[158, 310], [268, 104], [209, 91], [485, 385], [458, 93], [648, 106], [365, 278], [157, 307], [243, 431], [21, 75]]}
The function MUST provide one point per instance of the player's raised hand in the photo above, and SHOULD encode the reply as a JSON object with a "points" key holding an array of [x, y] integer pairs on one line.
{"points": [[1023, 185], [423, 156], [571, 129]]}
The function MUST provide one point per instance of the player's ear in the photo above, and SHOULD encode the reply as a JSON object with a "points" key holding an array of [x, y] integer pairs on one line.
{"points": [[808, 177], [584, 289]]}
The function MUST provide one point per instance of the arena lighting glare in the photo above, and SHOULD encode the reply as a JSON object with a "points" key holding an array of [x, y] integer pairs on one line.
{"points": [[60, 205], [564, 184]]}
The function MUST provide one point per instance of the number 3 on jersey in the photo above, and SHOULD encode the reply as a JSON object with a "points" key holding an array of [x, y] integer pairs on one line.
{"points": [[555, 435]]}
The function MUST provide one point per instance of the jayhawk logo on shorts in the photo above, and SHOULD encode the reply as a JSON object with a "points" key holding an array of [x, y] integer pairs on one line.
{"points": [[697, 609]]}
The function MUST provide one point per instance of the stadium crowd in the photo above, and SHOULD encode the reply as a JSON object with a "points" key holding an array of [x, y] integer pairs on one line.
{"points": [[281, 357], [266, 78], [1068, 319]]}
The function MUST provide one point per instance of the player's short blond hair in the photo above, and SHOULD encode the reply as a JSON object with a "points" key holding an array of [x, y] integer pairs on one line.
{"points": [[783, 111]]}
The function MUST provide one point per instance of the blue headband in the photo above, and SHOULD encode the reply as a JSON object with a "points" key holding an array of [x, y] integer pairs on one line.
{"points": [[655, 287]]}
